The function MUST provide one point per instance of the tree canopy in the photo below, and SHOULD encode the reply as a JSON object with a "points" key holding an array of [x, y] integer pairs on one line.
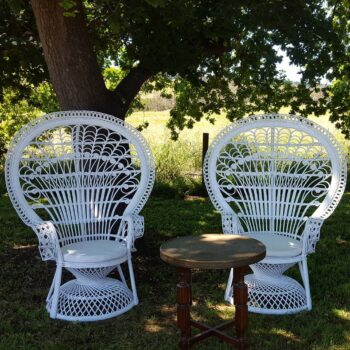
{"points": [[212, 55]]}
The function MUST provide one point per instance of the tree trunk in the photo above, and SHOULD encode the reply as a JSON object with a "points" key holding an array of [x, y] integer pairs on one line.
{"points": [[76, 76], [72, 63]]}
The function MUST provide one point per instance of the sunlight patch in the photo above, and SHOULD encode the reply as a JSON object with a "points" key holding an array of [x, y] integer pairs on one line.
{"points": [[286, 334], [152, 327], [344, 315], [27, 246]]}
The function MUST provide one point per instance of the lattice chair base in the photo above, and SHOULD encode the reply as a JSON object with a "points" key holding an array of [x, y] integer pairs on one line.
{"points": [[274, 296], [271, 292], [280, 296], [92, 302]]}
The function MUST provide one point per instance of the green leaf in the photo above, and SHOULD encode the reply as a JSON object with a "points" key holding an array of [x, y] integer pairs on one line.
{"points": [[67, 4]]}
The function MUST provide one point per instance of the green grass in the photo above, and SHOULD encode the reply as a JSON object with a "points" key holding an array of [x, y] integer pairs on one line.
{"points": [[25, 281]]}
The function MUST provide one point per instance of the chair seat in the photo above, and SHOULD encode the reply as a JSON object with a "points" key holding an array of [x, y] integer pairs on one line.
{"points": [[279, 246], [93, 251]]}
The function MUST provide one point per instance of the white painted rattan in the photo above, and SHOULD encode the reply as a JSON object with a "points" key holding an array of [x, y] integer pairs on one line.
{"points": [[275, 175], [77, 178]]}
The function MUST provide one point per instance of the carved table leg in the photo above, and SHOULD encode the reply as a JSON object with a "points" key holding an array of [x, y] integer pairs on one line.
{"points": [[240, 292], [184, 299]]}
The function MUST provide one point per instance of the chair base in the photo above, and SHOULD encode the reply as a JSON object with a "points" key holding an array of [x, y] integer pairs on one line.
{"points": [[92, 302], [282, 295], [274, 296]]}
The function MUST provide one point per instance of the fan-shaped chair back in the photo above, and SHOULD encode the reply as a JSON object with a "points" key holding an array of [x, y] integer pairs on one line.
{"points": [[84, 169], [274, 171]]}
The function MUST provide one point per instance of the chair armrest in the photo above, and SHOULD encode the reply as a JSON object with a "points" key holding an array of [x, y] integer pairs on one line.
{"points": [[311, 234], [49, 247], [132, 227], [231, 224], [139, 225]]}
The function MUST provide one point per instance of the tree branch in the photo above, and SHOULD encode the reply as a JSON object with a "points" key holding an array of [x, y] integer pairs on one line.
{"points": [[130, 86]]}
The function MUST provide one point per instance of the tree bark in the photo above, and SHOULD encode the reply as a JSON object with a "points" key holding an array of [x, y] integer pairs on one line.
{"points": [[72, 63]]}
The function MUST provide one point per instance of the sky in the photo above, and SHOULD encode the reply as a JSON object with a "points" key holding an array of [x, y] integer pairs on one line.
{"points": [[290, 69]]}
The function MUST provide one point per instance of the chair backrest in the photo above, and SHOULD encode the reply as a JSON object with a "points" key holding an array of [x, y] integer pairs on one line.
{"points": [[82, 169], [274, 171]]}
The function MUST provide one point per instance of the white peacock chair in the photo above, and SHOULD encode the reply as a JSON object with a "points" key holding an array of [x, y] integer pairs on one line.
{"points": [[275, 178], [79, 179]]}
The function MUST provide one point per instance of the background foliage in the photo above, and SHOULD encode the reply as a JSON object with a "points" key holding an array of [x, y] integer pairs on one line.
{"points": [[16, 111], [207, 56]]}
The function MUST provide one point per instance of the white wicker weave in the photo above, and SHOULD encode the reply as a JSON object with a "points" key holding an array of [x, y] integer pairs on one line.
{"points": [[276, 178], [79, 179]]}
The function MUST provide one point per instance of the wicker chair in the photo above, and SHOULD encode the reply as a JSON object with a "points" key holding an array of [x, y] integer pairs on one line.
{"points": [[79, 179], [276, 178]]}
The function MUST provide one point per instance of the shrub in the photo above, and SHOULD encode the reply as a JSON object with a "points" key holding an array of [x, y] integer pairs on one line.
{"points": [[178, 167], [16, 111]]}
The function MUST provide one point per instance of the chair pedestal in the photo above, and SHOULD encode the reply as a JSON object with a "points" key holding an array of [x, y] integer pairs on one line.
{"points": [[271, 292], [92, 296], [282, 295]]}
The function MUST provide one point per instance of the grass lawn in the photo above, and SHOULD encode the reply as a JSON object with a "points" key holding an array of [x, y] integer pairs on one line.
{"points": [[25, 280]]}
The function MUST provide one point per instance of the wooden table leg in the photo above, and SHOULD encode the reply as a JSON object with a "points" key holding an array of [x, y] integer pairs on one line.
{"points": [[184, 299], [240, 292]]}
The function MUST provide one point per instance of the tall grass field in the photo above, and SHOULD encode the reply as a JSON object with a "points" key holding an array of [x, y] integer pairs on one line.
{"points": [[179, 163]]}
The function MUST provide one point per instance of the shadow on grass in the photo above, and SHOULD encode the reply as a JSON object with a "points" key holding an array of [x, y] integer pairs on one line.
{"points": [[25, 281]]}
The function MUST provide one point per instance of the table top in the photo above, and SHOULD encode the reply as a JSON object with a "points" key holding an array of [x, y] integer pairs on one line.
{"points": [[212, 251]]}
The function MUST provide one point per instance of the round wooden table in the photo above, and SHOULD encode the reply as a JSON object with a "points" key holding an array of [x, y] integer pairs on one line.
{"points": [[212, 251]]}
